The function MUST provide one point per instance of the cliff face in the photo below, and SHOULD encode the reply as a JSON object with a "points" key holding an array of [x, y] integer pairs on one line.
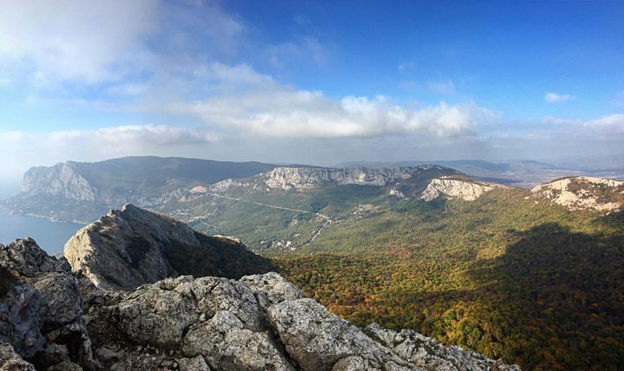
{"points": [[60, 321], [286, 178], [130, 247], [467, 191], [583, 193], [60, 180]]}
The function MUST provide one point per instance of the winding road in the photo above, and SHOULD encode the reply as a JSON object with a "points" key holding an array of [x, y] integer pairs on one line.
{"points": [[316, 234]]}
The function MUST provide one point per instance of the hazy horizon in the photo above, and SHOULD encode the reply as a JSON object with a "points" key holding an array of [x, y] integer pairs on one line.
{"points": [[309, 82]]}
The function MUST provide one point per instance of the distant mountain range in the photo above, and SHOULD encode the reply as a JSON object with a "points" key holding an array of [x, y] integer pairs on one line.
{"points": [[520, 173], [75, 191], [78, 191]]}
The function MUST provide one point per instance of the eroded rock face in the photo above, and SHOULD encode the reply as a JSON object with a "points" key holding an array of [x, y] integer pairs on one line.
{"points": [[130, 247], [41, 310], [20, 320], [287, 178], [583, 193], [260, 322], [60, 180], [317, 339], [276, 288], [123, 249], [467, 191], [425, 352]]}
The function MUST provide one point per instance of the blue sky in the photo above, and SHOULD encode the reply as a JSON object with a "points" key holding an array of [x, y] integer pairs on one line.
{"points": [[309, 81]]}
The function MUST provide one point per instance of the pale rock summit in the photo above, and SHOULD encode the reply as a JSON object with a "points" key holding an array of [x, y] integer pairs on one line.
{"points": [[124, 249], [583, 193], [467, 191]]}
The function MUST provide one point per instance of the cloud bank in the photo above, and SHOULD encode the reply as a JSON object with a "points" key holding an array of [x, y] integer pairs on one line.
{"points": [[310, 114], [57, 40]]}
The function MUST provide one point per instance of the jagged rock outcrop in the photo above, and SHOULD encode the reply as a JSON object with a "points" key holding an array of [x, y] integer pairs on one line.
{"points": [[259, 322], [318, 340], [465, 190], [124, 249], [432, 356], [41, 311], [583, 193], [307, 178], [130, 247]]}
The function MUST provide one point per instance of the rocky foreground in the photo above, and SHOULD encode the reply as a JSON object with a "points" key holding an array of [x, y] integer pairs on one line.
{"points": [[54, 319]]}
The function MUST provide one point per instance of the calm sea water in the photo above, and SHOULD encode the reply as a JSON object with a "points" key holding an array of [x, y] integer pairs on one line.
{"points": [[50, 236]]}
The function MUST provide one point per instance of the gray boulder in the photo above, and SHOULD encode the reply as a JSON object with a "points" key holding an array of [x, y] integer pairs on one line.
{"points": [[20, 321], [42, 307], [425, 352], [226, 344], [317, 339], [276, 288]]}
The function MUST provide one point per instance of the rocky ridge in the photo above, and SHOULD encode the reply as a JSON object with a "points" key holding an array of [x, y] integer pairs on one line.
{"points": [[130, 247], [583, 193], [465, 190], [53, 319], [300, 179]]}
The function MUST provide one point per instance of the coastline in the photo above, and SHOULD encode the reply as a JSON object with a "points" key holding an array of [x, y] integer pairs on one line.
{"points": [[49, 218]]}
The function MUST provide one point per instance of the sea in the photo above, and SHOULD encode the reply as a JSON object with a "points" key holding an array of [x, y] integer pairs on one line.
{"points": [[50, 236]]}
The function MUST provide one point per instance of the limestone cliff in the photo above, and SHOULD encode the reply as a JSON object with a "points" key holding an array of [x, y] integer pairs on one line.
{"points": [[53, 320], [454, 188], [306, 178], [61, 180], [583, 193]]}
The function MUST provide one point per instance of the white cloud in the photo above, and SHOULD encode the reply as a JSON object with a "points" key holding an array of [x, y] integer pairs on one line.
{"points": [[289, 113], [91, 42], [442, 87], [554, 97], [612, 124], [74, 39]]}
